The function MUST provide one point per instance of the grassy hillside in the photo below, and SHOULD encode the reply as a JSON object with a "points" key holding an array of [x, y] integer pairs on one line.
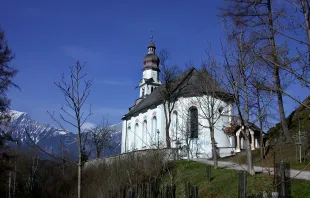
{"points": [[224, 182], [284, 151], [300, 115]]}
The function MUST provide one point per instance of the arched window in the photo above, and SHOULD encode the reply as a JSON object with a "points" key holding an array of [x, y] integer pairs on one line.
{"points": [[144, 132], [175, 124], [154, 129], [193, 113], [135, 136], [152, 89], [128, 142]]}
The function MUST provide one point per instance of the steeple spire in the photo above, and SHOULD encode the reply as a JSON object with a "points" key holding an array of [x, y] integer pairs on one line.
{"points": [[151, 31], [150, 78], [151, 47]]}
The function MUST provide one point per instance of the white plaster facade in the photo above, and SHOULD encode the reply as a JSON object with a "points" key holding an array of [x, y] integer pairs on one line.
{"points": [[254, 140], [145, 129]]}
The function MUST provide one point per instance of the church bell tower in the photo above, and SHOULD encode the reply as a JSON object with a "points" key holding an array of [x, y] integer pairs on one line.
{"points": [[150, 78]]}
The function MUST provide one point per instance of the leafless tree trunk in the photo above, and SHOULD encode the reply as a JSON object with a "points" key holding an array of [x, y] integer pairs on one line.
{"points": [[259, 111], [276, 73], [33, 167], [10, 179], [14, 177], [183, 130], [212, 99], [257, 19], [238, 68], [297, 29], [75, 97], [170, 92], [101, 136]]}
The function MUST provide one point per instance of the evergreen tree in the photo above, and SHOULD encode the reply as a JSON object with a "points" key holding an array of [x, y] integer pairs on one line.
{"points": [[6, 75]]}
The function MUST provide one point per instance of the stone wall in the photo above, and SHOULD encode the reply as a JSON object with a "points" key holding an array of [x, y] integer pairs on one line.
{"points": [[170, 154]]}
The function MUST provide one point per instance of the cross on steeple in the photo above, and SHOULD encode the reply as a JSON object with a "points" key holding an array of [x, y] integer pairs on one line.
{"points": [[151, 32]]}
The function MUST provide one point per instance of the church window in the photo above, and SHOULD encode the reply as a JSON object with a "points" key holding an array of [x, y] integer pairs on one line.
{"points": [[135, 136], [151, 89], [193, 113], [154, 129], [144, 132], [175, 124], [143, 91], [127, 139], [220, 109]]}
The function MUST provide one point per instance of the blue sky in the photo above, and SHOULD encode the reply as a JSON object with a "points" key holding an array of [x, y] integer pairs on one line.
{"points": [[111, 36]]}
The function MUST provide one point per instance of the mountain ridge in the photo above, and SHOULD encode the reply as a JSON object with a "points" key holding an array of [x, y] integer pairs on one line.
{"points": [[47, 136]]}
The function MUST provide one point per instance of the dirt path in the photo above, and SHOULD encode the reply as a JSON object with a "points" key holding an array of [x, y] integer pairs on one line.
{"points": [[305, 175]]}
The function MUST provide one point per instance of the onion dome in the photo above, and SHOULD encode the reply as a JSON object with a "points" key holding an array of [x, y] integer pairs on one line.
{"points": [[151, 59]]}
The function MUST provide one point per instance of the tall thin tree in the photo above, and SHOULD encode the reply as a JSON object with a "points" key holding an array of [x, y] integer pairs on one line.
{"points": [[173, 84], [213, 101], [76, 92], [259, 19], [238, 69]]}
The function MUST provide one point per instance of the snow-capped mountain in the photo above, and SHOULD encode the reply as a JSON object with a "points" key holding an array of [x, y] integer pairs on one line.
{"points": [[49, 137]]}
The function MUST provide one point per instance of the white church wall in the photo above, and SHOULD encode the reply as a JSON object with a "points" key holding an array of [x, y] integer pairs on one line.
{"points": [[148, 138], [148, 73], [124, 132], [139, 138], [201, 146]]}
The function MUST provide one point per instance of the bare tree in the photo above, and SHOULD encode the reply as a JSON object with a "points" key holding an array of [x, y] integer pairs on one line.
{"points": [[297, 29], [264, 100], [101, 136], [238, 69], [180, 130], [168, 94], [173, 84], [85, 146], [76, 92], [32, 166], [64, 150], [259, 20], [213, 101]]}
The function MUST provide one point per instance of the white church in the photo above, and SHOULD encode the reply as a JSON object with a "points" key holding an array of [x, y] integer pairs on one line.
{"points": [[143, 127]]}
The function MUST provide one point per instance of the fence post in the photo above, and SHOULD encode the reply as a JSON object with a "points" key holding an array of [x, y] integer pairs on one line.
{"points": [[165, 191], [242, 184], [187, 190], [122, 192], [130, 193], [274, 195], [208, 171], [143, 193], [173, 189], [283, 179], [195, 192], [110, 193], [148, 190], [134, 192]]}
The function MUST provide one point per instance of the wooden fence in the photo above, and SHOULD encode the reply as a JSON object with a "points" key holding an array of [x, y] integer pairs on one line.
{"points": [[151, 190], [282, 186]]}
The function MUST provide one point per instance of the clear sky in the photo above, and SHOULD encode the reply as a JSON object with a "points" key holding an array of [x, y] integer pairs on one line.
{"points": [[111, 36]]}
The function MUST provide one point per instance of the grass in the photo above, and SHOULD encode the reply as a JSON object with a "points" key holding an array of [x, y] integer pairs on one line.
{"points": [[299, 119], [224, 182], [285, 152]]}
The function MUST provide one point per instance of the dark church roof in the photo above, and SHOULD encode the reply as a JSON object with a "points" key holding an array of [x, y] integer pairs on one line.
{"points": [[190, 83]]}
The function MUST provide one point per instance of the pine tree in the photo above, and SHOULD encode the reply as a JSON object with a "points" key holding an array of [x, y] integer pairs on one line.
{"points": [[6, 75]]}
